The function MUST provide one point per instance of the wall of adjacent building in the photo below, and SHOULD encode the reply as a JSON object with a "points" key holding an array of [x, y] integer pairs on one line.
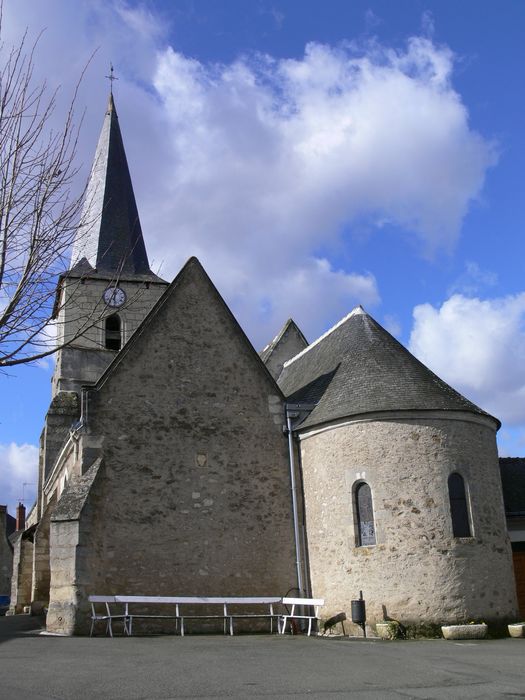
{"points": [[6, 555]]}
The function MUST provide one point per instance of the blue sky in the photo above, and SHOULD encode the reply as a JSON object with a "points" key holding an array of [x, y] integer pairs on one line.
{"points": [[314, 156]]}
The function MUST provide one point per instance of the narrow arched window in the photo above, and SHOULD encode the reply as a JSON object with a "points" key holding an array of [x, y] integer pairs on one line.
{"points": [[113, 339], [366, 532], [458, 506]]}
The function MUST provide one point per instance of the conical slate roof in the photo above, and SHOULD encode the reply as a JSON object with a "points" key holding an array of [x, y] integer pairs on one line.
{"points": [[109, 237], [357, 368]]}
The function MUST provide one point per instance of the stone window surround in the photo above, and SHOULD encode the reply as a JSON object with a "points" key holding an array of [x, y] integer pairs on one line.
{"points": [[355, 509], [468, 504], [110, 334]]}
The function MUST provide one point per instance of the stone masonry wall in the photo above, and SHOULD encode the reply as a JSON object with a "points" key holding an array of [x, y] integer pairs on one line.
{"points": [[82, 306], [82, 303], [193, 495], [64, 410], [63, 608], [41, 571], [22, 573], [417, 569], [290, 344]]}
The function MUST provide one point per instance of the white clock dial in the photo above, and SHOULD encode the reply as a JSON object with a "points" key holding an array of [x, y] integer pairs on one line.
{"points": [[114, 296]]}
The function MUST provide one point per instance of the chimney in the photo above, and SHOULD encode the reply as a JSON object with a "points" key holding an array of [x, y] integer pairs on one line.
{"points": [[20, 517]]}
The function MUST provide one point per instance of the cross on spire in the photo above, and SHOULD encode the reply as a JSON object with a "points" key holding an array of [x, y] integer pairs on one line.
{"points": [[111, 78]]}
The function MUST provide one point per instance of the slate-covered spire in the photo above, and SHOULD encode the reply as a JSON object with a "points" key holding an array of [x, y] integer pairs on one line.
{"points": [[109, 240]]}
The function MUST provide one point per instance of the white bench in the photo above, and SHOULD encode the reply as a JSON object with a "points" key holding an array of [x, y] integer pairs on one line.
{"points": [[107, 616], [184, 603], [301, 604], [231, 608]]}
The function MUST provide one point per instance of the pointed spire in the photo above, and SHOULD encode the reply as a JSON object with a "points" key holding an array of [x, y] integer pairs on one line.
{"points": [[109, 235]]}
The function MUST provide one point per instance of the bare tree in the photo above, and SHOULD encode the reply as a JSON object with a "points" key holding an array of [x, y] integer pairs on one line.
{"points": [[38, 213]]}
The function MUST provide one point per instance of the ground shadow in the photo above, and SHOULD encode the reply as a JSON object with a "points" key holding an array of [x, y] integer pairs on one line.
{"points": [[13, 626]]}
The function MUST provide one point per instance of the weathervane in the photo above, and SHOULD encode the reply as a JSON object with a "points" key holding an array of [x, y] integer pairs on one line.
{"points": [[111, 78]]}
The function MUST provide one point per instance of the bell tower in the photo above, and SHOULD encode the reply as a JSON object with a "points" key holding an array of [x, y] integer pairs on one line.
{"points": [[109, 288]]}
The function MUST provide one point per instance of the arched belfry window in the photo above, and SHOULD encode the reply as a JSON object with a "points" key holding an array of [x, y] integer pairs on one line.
{"points": [[113, 334], [366, 531], [458, 506]]}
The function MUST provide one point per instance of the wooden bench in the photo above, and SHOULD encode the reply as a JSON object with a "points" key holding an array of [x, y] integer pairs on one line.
{"points": [[300, 604]]}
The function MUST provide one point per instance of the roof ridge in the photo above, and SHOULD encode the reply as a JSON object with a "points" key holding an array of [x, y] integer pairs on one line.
{"points": [[192, 262], [356, 311], [279, 335]]}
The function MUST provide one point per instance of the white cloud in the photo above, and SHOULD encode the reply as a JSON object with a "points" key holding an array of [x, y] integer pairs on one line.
{"points": [[273, 158], [312, 292], [477, 346], [18, 466], [258, 165], [473, 280]]}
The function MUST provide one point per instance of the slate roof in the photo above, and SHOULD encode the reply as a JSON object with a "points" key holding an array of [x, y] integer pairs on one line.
{"points": [[513, 480], [109, 239], [357, 368]]}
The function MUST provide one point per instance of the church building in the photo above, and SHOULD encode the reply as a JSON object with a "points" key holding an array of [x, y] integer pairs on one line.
{"points": [[176, 460]]}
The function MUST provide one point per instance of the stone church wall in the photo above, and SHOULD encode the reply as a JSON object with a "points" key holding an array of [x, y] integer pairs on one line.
{"points": [[22, 580], [417, 569], [290, 344], [193, 493], [41, 569]]}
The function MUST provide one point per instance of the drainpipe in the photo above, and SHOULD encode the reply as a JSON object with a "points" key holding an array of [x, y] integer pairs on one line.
{"points": [[84, 407], [295, 410], [289, 415]]}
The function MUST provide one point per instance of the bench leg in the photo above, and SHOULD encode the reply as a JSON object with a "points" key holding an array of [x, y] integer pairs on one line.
{"points": [[92, 626], [309, 626]]}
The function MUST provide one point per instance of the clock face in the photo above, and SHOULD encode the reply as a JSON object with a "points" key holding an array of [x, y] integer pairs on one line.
{"points": [[114, 296]]}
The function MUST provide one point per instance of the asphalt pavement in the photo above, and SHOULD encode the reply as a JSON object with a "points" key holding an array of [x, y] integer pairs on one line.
{"points": [[38, 667]]}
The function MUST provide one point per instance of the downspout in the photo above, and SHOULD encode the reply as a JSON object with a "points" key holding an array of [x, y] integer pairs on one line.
{"points": [[289, 415], [296, 410]]}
